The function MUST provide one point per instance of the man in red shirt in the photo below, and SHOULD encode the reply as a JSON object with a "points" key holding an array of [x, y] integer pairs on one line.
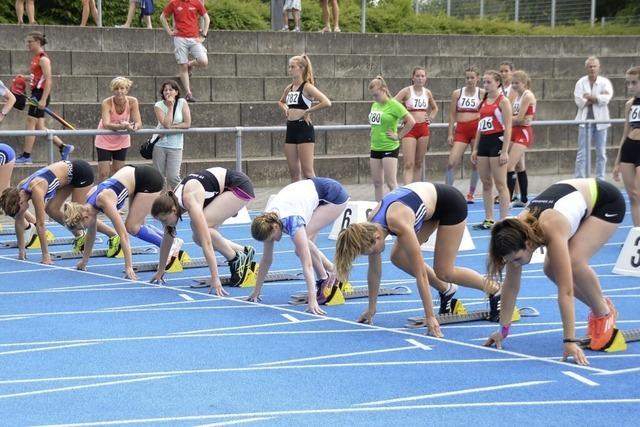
{"points": [[188, 38]]}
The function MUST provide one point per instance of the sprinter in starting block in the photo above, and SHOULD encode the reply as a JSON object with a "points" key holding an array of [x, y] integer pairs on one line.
{"points": [[343, 291], [413, 213], [573, 219], [209, 196]]}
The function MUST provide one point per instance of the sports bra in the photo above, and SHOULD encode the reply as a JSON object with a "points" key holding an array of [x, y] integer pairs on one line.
{"points": [[634, 114], [417, 102], [408, 198], [468, 104], [296, 99], [53, 183], [531, 109], [208, 181], [110, 184], [564, 198]]}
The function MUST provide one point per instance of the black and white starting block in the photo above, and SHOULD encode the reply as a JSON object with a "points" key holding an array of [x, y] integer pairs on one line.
{"points": [[344, 291], [618, 341], [103, 253], [249, 280], [460, 314]]}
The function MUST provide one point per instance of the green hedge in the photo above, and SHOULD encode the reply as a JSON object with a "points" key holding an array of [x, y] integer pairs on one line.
{"points": [[389, 16]]}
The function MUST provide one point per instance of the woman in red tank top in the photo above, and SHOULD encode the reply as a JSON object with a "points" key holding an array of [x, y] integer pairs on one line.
{"points": [[491, 145]]}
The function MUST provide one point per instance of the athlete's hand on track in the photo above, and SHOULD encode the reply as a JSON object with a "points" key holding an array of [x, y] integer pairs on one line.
{"points": [[572, 349], [494, 339], [433, 327], [366, 317]]}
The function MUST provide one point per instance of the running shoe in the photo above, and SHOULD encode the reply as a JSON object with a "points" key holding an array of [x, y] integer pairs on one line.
{"points": [[470, 199], [22, 160], [66, 151], [447, 303], [239, 267], [325, 288], [487, 224], [494, 308], [78, 242], [114, 246], [189, 98], [600, 329], [518, 204], [30, 235]]}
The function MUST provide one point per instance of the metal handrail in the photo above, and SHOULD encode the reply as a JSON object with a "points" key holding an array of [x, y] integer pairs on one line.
{"points": [[239, 130]]}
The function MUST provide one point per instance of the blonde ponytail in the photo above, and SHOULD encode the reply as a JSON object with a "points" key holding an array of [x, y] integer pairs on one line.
{"points": [[354, 240]]}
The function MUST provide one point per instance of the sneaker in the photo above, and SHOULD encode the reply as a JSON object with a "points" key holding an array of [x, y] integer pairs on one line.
{"points": [[66, 150], [447, 302], [494, 308], [24, 160], [296, 30], [189, 98], [239, 268], [177, 244], [518, 204], [78, 243], [249, 252], [487, 224], [325, 287], [30, 235], [470, 199], [284, 29], [114, 246], [515, 197], [496, 200], [600, 329]]}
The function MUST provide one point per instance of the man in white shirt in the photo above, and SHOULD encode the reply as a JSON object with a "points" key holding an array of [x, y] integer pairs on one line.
{"points": [[592, 95]]}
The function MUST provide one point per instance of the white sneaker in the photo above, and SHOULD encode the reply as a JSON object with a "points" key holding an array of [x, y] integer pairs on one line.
{"points": [[174, 252], [30, 234]]}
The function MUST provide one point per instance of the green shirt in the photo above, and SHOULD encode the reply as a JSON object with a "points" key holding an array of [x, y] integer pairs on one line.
{"points": [[384, 117]]}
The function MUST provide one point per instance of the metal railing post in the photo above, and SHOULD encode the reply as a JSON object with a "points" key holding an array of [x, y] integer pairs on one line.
{"points": [[516, 12], [481, 9], [50, 145], [593, 13], [363, 17], [239, 149], [587, 167], [553, 13], [449, 8], [99, 7]]}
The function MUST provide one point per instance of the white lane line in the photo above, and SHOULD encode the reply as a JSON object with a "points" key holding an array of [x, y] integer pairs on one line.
{"points": [[290, 318], [159, 304], [232, 328], [620, 371], [523, 334], [334, 356], [235, 422], [352, 323], [418, 344], [580, 378], [14, 318], [77, 290], [80, 387], [56, 347], [173, 337], [404, 408], [324, 366], [64, 288], [454, 393], [186, 297]]}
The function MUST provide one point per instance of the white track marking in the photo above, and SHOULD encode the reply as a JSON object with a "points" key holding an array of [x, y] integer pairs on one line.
{"points": [[290, 318], [56, 347], [580, 378]]}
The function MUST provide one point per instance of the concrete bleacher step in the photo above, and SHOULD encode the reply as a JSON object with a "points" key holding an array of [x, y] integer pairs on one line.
{"points": [[72, 38]]}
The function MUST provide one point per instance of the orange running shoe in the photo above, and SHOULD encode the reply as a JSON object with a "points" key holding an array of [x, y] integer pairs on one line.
{"points": [[600, 329]]}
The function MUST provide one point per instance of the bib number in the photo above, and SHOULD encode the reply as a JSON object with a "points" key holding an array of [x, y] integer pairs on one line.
{"points": [[634, 113], [375, 118], [419, 103], [486, 124], [468, 103], [292, 98]]}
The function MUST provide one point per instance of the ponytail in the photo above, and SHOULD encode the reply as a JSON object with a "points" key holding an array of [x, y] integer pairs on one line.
{"points": [[354, 240], [263, 225], [307, 69], [378, 83]]}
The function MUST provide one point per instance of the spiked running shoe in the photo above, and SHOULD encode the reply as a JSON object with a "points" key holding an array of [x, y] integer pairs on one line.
{"points": [[114, 246], [494, 308], [78, 243], [600, 329], [240, 266], [325, 288], [447, 303], [487, 224]]}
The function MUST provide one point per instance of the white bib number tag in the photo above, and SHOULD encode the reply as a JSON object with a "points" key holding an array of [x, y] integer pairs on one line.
{"points": [[375, 118], [419, 103], [486, 124], [634, 113], [468, 102], [292, 98]]}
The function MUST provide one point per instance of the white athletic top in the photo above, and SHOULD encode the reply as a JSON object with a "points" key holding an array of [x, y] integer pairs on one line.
{"points": [[297, 199], [468, 104], [417, 102], [506, 90]]}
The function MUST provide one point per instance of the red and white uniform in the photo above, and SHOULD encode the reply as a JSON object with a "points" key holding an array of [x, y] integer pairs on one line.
{"points": [[185, 16], [466, 131], [37, 77], [417, 102], [522, 134], [491, 118]]}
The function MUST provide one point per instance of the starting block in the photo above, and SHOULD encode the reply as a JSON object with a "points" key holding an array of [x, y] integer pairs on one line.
{"points": [[241, 217], [103, 253], [355, 212], [628, 263], [35, 241], [249, 279], [466, 244], [460, 314], [177, 264], [344, 291], [618, 341]]}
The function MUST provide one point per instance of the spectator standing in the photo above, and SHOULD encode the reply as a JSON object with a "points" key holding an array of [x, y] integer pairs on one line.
{"points": [[335, 9], [292, 7], [592, 95], [40, 79], [188, 38], [31, 11], [119, 112], [89, 6], [172, 113], [146, 10]]}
